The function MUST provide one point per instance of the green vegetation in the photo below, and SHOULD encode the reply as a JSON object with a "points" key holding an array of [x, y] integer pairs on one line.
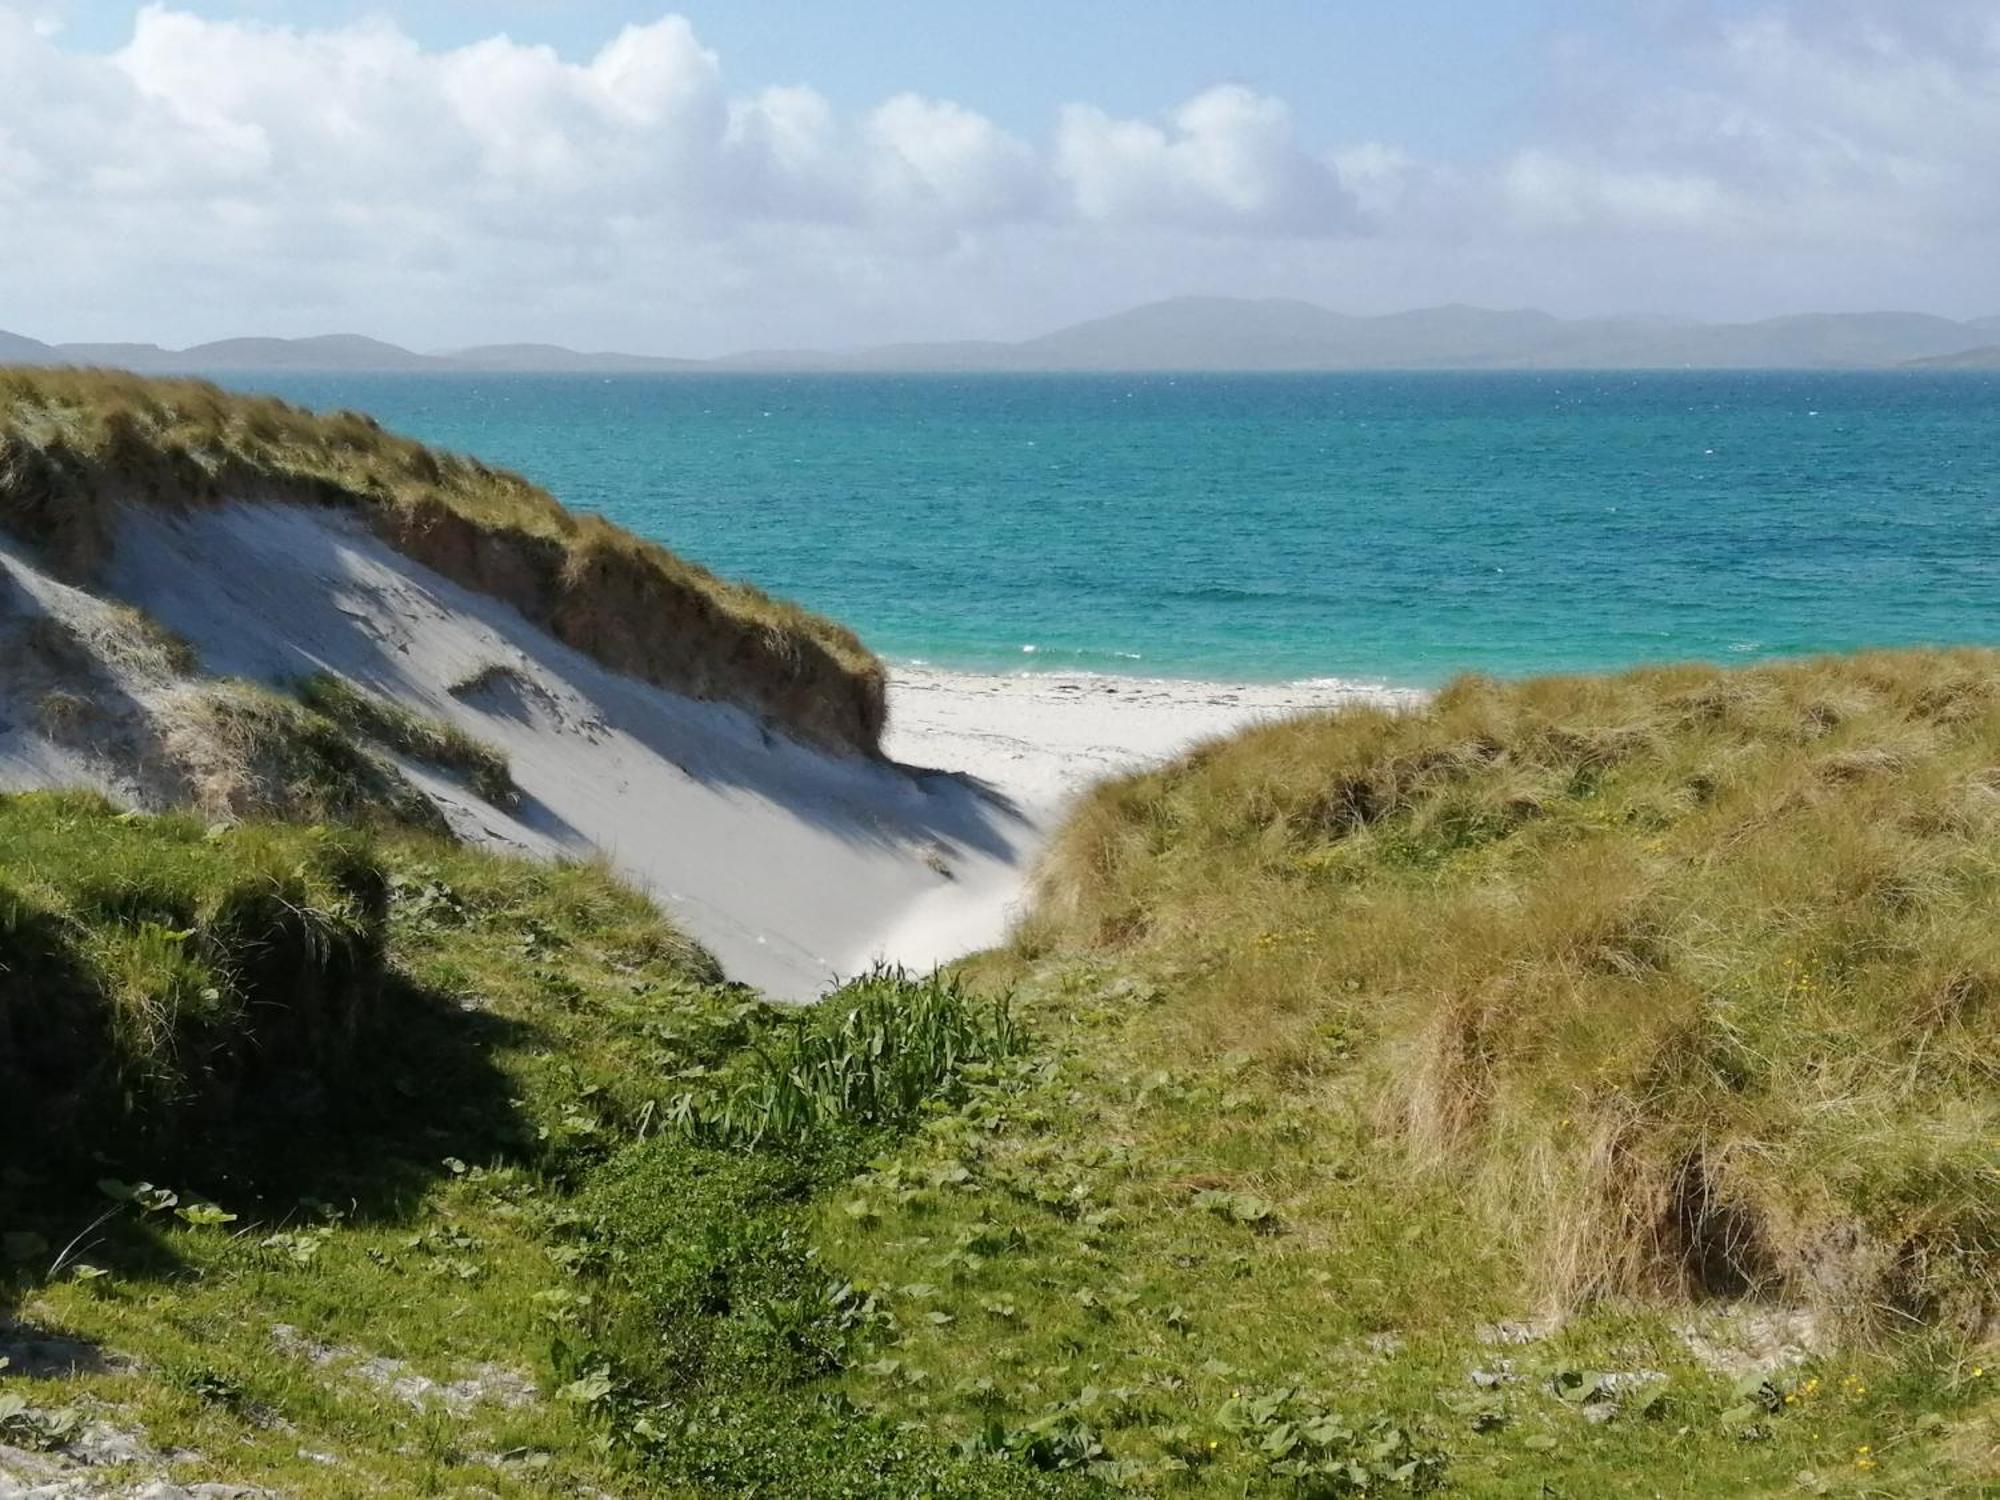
{"points": [[490, 1243], [429, 740], [75, 443], [876, 1054], [252, 754], [1700, 965], [1576, 1088], [154, 971], [1644, 1024]]}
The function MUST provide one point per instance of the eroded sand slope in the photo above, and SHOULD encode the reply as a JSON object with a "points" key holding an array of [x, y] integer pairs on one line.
{"points": [[794, 865]]}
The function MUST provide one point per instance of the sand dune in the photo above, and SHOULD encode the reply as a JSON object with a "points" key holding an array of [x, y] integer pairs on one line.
{"points": [[794, 866], [783, 860]]}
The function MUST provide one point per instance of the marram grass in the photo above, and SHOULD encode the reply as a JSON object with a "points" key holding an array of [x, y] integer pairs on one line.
{"points": [[1689, 977], [1578, 1087], [432, 741], [75, 444]]}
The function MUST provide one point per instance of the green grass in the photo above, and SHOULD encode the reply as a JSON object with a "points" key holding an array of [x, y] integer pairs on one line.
{"points": [[874, 1055], [503, 1183], [1453, 1102], [1614, 1009], [432, 741], [1698, 964], [153, 970], [75, 443]]}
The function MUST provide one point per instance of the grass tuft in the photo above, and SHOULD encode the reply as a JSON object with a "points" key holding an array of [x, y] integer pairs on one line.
{"points": [[1686, 975], [250, 753], [429, 740], [151, 970], [872, 1054]]}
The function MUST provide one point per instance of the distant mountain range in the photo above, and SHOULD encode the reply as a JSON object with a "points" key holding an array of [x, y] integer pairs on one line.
{"points": [[331, 352], [1987, 357], [1185, 333]]}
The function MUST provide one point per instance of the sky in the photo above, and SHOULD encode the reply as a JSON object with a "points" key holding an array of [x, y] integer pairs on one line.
{"points": [[709, 177]]}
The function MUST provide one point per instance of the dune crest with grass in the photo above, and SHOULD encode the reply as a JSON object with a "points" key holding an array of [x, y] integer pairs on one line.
{"points": [[78, 447]]}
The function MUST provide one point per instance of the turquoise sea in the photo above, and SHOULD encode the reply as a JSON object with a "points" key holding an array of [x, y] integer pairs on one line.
{"points": [[1385, 527]]}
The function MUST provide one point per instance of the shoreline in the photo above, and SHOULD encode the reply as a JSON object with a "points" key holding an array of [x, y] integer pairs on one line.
{"points": [[1036, 742], [1044, 737], [1040, 669]]}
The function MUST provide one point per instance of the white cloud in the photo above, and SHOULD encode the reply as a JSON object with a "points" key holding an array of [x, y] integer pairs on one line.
{"points": [[225, 176], [935, 154], [1550, 190], [1227, 162], [1873, 122]]}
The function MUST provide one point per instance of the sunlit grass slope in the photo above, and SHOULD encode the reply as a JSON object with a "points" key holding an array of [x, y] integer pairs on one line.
{"points": [[1488, 1088], [75, 443], [1698, 971]]}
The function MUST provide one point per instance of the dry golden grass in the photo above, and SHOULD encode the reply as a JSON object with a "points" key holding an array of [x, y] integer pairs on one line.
{"points": [[244, 752], [1689, 977], [76, 443], [433, 741]]}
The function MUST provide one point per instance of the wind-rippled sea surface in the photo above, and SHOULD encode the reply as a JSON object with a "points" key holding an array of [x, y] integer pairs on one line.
{"points": [[1389, 527]]}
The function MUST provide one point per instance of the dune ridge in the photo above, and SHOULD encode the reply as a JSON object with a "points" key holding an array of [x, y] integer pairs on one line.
{"points": [[76, 445]]}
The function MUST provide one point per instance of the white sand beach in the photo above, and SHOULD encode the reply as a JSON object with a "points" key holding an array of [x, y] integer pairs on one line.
{"points": [[1038, 740], [1043, 736], [795, 866]]}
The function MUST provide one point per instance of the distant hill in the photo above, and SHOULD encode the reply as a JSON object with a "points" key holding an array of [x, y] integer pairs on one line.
{"points": [[1183, 333], [556, 360], [1986, 357], [1217, 333], [1227, 333], [335, 351], [332, 351], [124, 356], [19, 350]]}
